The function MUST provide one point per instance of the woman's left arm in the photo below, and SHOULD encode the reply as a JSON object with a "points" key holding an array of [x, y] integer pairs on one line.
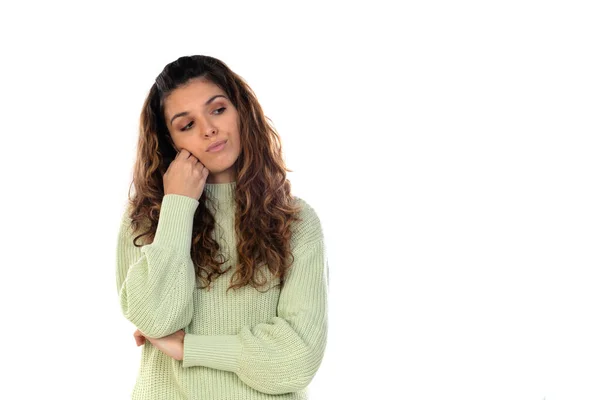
{"points": [[284, 354]]}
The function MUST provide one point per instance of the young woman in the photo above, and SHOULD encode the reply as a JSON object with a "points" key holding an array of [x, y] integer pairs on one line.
{"points": [[222, 271]]}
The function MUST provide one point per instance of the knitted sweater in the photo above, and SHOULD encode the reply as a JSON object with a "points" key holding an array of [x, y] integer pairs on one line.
{"points": [[243, 344]]}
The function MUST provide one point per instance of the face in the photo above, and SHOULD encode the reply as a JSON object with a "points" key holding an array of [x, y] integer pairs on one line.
{"points": [[198, 115]]}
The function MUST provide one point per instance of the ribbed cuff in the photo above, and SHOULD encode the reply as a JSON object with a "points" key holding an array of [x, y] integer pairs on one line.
{"points": [[175, 223], [218, 352]]}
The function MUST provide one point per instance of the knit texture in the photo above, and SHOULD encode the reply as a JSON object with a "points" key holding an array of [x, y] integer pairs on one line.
{"points": [[243, 344]]}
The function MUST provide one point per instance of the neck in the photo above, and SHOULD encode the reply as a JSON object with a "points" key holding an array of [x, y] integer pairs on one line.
{"points": [[221, 193]]}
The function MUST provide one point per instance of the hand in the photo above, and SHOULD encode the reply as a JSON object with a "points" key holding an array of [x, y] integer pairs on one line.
{"points": [[171, 345], [139, 338], [186, 175]]}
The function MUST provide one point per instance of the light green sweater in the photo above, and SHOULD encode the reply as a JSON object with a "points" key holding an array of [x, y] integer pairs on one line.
{"points": [[241, 345]]}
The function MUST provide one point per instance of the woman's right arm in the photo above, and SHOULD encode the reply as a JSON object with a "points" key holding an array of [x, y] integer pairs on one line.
{"points": [[156, 282]]}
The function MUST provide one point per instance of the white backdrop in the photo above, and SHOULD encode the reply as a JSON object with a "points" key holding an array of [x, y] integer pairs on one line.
{"points": [[450, 149]]}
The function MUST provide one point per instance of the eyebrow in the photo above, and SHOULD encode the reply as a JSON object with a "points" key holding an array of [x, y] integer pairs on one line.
{"points": [[181, 114]]}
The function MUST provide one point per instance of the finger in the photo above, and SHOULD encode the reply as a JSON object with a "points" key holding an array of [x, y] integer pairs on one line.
{"points": [[192, 158], [177, 157], [184, 153]]}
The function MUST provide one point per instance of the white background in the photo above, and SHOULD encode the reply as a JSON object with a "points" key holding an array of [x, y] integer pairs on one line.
{"points": [[451, 150]]}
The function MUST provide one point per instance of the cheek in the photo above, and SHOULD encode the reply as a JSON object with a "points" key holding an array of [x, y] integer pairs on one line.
{"points": [[237, 145]]}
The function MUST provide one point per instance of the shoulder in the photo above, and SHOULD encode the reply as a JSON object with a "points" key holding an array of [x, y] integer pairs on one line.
{"points": [[125, 228], [308, 229], [125, 212]]}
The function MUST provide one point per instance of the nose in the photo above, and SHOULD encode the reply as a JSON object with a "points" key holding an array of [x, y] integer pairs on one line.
{"points": [[209, 130]]}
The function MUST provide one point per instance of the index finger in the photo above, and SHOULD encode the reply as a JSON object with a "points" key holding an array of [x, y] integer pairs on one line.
{"points": [[183, 152]]}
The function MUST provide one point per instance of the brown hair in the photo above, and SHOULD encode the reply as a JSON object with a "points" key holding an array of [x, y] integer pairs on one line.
{"points": [[265, 209]]}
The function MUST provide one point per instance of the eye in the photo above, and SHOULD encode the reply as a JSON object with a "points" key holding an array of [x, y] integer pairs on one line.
{"points": [[187, 127]]}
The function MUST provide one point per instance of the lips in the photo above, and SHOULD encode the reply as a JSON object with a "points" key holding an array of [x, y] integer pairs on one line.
{"points": [[215, 144]]}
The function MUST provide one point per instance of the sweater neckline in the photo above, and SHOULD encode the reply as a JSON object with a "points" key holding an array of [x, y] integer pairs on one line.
{"points": [[221, 193]]}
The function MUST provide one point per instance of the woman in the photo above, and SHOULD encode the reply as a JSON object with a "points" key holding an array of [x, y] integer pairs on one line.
{"points": [[211, 189]]}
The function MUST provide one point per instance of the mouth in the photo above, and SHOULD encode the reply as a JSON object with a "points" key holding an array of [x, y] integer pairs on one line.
{"points": [[216, 146]]}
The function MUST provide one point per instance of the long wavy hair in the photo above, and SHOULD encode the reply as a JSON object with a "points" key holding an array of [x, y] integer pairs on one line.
{"points": [[265, 210]]}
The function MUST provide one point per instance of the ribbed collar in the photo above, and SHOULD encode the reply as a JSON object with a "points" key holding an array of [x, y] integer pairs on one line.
{"points": [[222, 193]]}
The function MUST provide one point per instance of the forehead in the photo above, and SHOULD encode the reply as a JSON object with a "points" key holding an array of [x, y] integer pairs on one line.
{"points": [[192, 95]]}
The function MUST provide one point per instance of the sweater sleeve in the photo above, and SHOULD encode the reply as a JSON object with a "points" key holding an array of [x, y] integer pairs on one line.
{"points": [[281, 355], [156, 282]]}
